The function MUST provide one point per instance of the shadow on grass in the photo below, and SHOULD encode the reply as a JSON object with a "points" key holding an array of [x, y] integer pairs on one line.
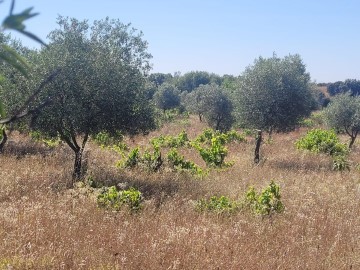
{"points": [[153, 186], [298, 165], [21, 149]]}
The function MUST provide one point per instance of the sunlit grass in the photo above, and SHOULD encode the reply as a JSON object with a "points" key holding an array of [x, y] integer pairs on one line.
{"points": [[44, 225]]}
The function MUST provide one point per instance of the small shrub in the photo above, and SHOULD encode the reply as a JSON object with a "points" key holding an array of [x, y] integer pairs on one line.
{"points": [[266, 202], [179, 162], [152, 161], [249, 132], [50, 142], [105, 140], [170, 141], [322, 141], [222, 204], [340, 163], [133, 158], [110, 198], [307, 123], [206, 136], [214, 155], [326, 141]]}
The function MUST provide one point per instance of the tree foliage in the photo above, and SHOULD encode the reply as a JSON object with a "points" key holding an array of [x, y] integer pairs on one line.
{"points": [[167, 97], [101, 84], [343, 114], [274, 94], [212, 103], [339, 87], [160, 78], [191, 80]]}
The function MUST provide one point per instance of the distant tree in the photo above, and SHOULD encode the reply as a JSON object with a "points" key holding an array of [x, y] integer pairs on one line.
{"points": [[349, 85], [150, 89], [101, 84], [195, 101], [337, 88], [229, 82], [353, 85], [160, 78], [219, 110], [343, 113], [212, 103], [191, 80], [167, 97], [274, 94]]}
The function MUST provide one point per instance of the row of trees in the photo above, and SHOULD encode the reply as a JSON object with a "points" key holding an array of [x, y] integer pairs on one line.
{"points": [[349, 85], [100, 82]]}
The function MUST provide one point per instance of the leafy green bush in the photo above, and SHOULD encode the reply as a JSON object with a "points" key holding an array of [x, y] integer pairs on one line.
{"points": [[222, 204], [340, 163], [233, 135], [152, 161], [327, 142], [226, 137], [179, 162], [133, 158], [215, 154], [266, 202], [170, 141], [105, 140], [322, 141], [50, 142], [113, 199]]}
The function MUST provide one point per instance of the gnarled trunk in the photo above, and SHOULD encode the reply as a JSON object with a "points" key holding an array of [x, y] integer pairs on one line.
{"points": [[78, 150], [77, 173]]}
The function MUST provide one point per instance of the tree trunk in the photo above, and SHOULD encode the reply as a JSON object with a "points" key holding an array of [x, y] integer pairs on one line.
{"points": [[353, 138], [270, 133], [218, 121], [78, 150], [77, 164], [257, 147], [3, 140]]}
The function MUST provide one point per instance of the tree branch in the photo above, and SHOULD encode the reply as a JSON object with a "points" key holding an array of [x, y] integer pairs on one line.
{"points": [[24, 111]]}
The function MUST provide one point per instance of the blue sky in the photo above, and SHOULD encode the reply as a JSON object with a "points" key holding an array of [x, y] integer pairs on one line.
{"points": [[225, 36]]}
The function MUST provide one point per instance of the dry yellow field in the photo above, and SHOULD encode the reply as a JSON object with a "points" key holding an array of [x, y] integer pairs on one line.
{"points": [[45, 225]]}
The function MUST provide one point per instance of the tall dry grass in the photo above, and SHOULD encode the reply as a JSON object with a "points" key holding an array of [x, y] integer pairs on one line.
{"points": [[44, 225]]}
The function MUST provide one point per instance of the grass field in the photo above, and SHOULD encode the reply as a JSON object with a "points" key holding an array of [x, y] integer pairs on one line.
{"points": [[45, 225]]}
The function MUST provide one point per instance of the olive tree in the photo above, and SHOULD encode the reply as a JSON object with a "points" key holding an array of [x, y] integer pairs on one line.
{"points": [[273, 94], [343, 114], [167, 97], [100, 86], [212, 103], [191, 80]]}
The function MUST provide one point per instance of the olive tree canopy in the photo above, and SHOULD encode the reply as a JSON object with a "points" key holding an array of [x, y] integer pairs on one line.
{"points": [[274, 94], [343, 114], [100, 86]]}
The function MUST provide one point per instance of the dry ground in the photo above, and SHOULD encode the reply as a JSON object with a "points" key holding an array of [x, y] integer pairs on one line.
{"points": [[44, 225]]}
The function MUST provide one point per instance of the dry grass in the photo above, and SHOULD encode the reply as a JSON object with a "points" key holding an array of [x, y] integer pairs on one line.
{"points": [[43, 225]]}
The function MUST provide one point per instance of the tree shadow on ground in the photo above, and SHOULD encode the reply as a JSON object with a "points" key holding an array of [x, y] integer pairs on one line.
{"points": [[159, 188], [304, 165], [21, 149]]}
